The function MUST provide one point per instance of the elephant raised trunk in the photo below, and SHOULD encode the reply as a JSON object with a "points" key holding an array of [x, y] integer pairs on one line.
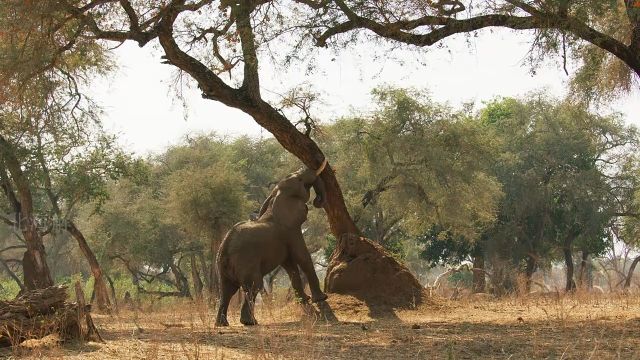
{"points": [[318, 186], [321, 168]]}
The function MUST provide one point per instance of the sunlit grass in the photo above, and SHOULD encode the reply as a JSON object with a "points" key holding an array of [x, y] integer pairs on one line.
{"points": [[554, 325]]}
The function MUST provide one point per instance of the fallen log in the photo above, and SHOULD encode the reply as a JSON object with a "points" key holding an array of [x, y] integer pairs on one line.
{"points": [[42, 312]]}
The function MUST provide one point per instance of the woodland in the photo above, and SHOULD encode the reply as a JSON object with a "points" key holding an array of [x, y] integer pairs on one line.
{"points": [[425, 201]]}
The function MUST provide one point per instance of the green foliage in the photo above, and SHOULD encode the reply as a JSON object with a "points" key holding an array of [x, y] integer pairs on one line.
{"points": [[330, 246], [563, 171], [9, 289], [412, 163], [207, 201], [461, 279], [442, 246]]}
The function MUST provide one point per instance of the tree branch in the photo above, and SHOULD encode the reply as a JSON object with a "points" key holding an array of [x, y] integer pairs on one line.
{"points": [[447, 26], [251, 81]]}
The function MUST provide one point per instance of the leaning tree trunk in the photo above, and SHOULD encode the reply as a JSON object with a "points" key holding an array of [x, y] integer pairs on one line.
{"points": [[568, 261], [632, 269], [99, 285]]}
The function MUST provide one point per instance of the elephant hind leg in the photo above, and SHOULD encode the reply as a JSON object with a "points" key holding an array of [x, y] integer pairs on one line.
{"points": [[247, 313], [227, 289]]}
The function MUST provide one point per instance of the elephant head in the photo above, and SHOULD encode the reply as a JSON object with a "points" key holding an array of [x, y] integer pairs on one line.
{"points": [[287, 201], [311, 178]]}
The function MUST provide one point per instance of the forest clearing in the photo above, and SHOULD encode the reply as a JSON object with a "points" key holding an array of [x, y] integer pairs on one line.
{"points": [[580, 326]]}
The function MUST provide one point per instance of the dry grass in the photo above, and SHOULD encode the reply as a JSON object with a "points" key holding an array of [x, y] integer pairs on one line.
{"points": [[556, 327]]}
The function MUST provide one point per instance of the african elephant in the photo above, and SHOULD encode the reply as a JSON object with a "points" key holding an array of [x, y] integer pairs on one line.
{"points": [[252, 249]]}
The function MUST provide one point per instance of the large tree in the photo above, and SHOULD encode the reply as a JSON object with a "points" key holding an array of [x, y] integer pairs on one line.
{"points": [[204, 39], [567, 174]]}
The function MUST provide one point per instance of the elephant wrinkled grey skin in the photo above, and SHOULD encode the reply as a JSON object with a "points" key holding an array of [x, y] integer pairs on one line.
{"points": [[252, 249]]}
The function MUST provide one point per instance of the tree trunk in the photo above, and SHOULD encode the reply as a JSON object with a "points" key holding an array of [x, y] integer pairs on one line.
{"points": [[99, 285], [568, 261], [113, 292], [195, 275], [632, 268], [529, 270], [479, 281], [182, 284], [206, 274], [34, 262], [214, 283], [582, 272]]}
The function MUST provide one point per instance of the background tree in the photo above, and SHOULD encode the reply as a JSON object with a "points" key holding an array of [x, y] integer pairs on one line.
{"points": [[412, 163], [565, 176], [39, 80], [207, 202]]}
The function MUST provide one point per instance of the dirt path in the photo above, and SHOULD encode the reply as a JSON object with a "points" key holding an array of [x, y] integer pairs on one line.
{"points": [[568, 328]]}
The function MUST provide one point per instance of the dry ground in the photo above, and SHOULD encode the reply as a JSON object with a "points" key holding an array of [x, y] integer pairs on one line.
{"points": [[557, 327]]}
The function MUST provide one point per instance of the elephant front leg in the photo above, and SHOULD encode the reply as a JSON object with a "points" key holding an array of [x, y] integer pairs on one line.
{"points": [[296, 283], [301, 256]]}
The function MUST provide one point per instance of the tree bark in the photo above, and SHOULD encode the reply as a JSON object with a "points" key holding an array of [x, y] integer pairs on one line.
{"points": [[99, 285], [479, 280], [195, 275], [632, 269], [568, 261]]}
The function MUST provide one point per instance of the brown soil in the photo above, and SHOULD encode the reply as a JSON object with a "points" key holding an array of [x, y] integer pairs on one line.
{"points": [[573, 327], [357, 263]]}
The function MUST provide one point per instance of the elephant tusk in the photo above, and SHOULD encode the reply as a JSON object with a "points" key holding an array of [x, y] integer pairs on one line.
{"points": [[321, 168]]}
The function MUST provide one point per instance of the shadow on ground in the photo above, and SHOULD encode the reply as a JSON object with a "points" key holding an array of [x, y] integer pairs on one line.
{"points": [[396, 339]]}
